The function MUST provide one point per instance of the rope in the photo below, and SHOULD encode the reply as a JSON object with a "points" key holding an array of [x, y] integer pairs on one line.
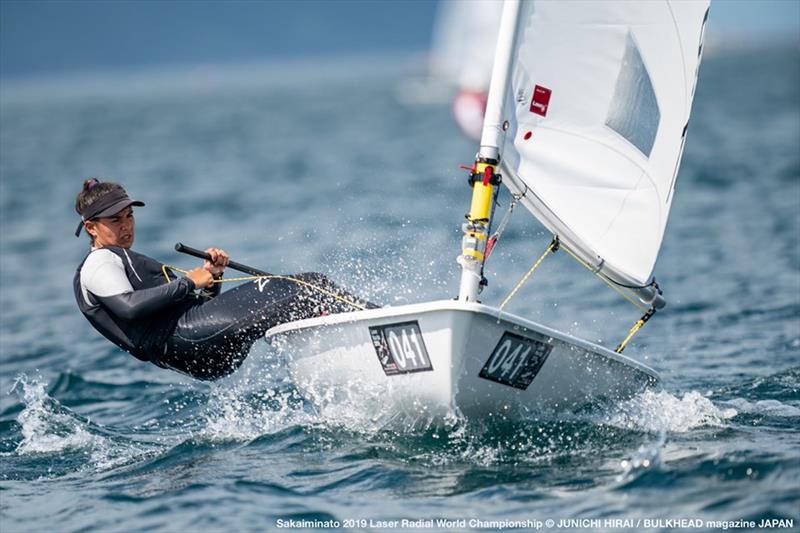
{"points": [[317, 288], [552, 248], [636, 327], [502, 226]]}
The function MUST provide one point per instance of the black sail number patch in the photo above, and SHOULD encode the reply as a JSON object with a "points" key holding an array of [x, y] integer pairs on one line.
{"points": [[400, 348], [515, 360]]}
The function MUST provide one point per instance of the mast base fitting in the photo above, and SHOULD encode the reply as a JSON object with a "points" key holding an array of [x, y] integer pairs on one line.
{"points": [[472, 264]]}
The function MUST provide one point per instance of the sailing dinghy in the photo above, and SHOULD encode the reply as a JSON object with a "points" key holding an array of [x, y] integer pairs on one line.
{"points": [[586, 120]]}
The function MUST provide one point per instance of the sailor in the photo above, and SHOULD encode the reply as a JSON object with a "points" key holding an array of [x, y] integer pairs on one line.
{"points": [[183, 323]]}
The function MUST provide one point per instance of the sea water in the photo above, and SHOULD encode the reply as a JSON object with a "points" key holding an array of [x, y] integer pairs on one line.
{"points": [[306, 168]]}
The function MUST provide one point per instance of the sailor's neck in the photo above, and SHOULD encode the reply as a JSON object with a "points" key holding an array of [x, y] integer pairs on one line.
{"points": [[93, 248]]}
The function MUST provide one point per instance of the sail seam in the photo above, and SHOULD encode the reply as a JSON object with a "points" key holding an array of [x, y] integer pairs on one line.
{"points": [[686, 97], [604, 145]]}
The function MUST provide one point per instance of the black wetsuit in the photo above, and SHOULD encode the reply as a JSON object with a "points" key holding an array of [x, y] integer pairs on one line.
{"points": [[205, 335]]}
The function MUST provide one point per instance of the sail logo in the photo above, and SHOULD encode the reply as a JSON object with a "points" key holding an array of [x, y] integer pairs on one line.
{"points": [[541, 100]]}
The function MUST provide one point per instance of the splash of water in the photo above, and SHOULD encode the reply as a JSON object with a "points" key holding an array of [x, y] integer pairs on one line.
{"points": [[764, 407], [240, 414], [263, 400], [44, 429], [664, 412], [48, 428], [257, 400]]}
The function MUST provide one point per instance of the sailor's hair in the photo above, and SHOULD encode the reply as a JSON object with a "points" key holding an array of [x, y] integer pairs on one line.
{"points": [[93, 189]]}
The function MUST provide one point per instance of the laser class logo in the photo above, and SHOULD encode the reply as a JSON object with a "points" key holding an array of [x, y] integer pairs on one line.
{"points": [[541, 100]]}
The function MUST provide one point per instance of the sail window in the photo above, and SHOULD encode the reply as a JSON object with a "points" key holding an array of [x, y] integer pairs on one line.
{"points": [[634, 112]]}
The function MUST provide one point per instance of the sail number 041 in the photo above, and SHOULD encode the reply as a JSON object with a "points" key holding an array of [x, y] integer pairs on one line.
{"points": [[400, 348], [515, 360]]}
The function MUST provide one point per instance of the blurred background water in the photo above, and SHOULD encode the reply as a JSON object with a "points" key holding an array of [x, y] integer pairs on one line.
{"points": [[313, 164]]}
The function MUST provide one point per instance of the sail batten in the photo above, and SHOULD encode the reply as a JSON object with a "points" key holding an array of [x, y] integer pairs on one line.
{"points": [[597, 108]]}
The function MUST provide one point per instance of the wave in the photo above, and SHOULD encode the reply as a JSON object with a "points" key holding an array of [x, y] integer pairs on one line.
{"points": [[47, 428], [664, 412], [772, 408], [261, 406]]}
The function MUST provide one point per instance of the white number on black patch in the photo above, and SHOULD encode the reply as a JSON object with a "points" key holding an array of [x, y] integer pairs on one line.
{"points": [[400, 348], [515, 360]]}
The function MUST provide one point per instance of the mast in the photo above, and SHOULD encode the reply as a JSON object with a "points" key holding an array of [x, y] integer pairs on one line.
{"points": [[484, 179]]}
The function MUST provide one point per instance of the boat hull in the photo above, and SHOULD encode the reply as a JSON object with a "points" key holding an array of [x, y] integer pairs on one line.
{"points": [[433, 360]]}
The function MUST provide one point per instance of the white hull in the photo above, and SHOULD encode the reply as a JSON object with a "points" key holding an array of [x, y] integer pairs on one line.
{"points": [[529, 370]]}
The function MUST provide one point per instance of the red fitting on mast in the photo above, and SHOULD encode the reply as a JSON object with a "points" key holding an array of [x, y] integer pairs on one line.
{"points": [[487, 175]]}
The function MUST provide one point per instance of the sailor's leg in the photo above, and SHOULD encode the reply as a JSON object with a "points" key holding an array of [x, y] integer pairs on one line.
{"points": [[213, 339]]}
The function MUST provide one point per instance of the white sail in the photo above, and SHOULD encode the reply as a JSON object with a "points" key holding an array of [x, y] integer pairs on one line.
{"points": [[462, 55], [598, 106], [463, 42]]}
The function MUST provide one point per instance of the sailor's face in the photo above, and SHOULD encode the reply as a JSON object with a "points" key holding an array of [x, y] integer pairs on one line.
{"points": [[116, 230]]}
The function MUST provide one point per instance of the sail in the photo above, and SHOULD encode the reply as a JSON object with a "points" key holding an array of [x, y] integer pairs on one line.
{"points": [[597, 108], [462, 55], [463, 42]]}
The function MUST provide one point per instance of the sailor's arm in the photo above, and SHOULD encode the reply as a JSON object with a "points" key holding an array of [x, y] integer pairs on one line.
{"points": [[137, 304], [105, 279]]}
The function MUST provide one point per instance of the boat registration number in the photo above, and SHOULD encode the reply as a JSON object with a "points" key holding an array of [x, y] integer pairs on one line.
{"points": [[515, 360], [400, 348]]}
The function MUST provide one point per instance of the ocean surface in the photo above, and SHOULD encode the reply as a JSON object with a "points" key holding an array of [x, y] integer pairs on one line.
{"points": [[299, 167]]}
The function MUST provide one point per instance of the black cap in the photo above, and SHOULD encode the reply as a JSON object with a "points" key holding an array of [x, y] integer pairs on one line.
{"points": [[107, 205]]}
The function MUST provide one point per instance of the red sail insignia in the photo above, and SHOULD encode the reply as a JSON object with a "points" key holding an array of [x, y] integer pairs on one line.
{"points": [[540, 101]]}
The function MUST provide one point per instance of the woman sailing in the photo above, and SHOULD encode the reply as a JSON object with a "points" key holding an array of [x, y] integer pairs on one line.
{"points": [[182, 323]]}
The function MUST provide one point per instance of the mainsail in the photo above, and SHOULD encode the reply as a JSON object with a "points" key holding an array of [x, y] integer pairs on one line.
{"points": [[594, 123], [463, 42], [462, 54]]}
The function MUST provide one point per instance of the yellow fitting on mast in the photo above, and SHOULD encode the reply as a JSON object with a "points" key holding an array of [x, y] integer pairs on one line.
{"points": [[482, 194], [476, 229], [484, 182]]}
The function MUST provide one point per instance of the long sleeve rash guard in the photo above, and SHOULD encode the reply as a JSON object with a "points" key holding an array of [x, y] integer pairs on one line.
{"points": [[127, 298]]}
